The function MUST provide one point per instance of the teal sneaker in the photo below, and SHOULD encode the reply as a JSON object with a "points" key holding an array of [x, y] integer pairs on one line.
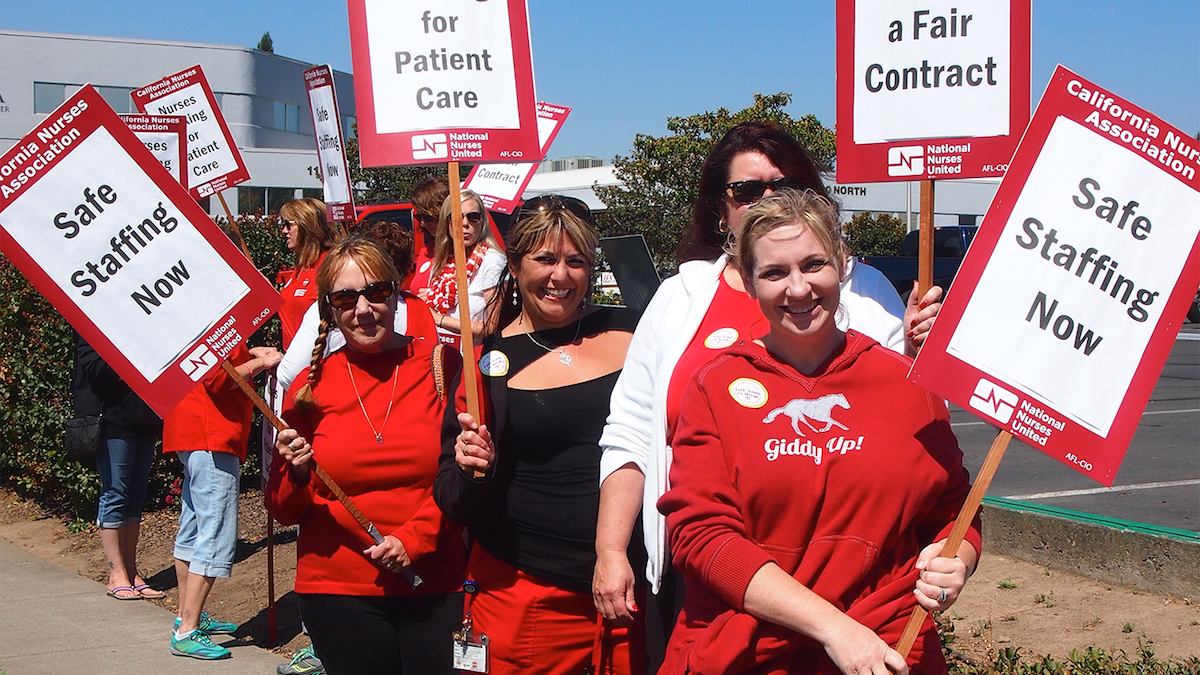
{"points": [[211, 626], [304, 662], [198, 646]]}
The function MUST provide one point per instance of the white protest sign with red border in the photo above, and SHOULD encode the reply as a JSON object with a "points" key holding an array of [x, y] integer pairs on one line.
{"points": [[213, 160], [124, 253], [930, 90], [1070, 297], [443, 81], [331, 148], [500, 186], [165, 137]]}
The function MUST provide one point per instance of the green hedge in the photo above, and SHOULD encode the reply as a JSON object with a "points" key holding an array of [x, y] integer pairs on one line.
{"points": [[35, 389]]}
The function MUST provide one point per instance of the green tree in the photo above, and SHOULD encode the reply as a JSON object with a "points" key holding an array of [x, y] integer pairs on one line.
{"points": [[265, 43], [659, 179], [875, 234]]}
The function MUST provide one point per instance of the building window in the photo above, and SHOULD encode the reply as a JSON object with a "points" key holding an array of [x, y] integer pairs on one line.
{"points": [[314, 193], [348, 126], [251, 199], [118, 98], [277, 197], [287, 117], [47, 96]]}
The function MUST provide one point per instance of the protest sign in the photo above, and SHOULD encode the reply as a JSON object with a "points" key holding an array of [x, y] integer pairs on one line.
{"points": [[122, 251], [331, 153], [443, 81], [1070, 297], [500, 186], [930, 91], [213, 160], [164, 136]]}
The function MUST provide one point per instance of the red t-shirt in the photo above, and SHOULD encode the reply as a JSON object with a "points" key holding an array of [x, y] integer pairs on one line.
{"points": [[215, 416], [390, 482], [299, 293], [731, 318], [424, 269]]}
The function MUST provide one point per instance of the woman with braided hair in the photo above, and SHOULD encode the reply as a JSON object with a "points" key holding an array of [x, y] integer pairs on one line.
{"points": [[370, 414]]}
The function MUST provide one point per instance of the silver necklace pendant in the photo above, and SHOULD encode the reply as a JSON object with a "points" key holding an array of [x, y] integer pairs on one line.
{"points": [[564, 358], [379, 438]]}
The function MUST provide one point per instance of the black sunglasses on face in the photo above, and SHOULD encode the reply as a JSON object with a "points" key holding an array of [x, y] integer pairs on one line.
{"points": [[345, 299], [750, 191], [473, 217], [572, 205], [425, 218]]}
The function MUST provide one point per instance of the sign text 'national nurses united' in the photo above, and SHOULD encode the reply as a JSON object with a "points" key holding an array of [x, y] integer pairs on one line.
{"points": [[930, 89], [331, 148], [213, 160], [1070, 297], [443, 81], [165, 137], [122, 251], [500, 186]]}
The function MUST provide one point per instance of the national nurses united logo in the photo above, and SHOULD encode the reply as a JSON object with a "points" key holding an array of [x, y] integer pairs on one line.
{"points": [[994, 401]]}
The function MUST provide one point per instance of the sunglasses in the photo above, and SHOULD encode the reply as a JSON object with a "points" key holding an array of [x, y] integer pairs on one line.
{"points": [[750, 191], [425, 218], [574, 206], [473, 217], [377, 292]]}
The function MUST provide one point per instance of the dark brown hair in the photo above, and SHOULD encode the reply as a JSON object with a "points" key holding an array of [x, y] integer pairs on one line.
{"points": [[705, 241], [316, 235]]}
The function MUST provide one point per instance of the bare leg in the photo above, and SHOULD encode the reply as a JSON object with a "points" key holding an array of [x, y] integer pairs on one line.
{"points": [[110, 539], [181, 574], [129, 533], [192, 596]]}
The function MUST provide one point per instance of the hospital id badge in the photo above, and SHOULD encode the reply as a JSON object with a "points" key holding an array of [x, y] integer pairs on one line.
{"points": [[471, 655]]}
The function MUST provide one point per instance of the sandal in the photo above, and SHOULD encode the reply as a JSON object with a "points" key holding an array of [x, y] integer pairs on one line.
{"points": [[145, 591], [116, 593]]}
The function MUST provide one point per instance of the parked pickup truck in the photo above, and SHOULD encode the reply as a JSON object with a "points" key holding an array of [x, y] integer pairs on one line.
{"points": [[949, 246]]}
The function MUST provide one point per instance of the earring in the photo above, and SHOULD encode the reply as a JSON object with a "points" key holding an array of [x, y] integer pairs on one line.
{"points": [[516, 300], [722, 226]]}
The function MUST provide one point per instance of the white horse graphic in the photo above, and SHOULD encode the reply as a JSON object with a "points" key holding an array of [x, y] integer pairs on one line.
{"points": [[818, 410]]}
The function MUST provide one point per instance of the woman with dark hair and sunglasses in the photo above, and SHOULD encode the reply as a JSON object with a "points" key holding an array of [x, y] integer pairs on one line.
{"points": [[693, 316], [309, 236], [370, 414], [526, 481], [485, 262], [427, 200]]}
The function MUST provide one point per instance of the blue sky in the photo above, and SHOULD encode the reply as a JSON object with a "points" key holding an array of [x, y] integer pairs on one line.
{"points": [[625, 66]]}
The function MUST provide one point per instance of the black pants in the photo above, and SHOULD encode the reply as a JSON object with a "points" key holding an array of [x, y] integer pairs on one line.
{"points": [[359, 635]]}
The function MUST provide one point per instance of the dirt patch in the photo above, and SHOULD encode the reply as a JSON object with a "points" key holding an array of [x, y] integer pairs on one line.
{"points": [[1008, 603]]}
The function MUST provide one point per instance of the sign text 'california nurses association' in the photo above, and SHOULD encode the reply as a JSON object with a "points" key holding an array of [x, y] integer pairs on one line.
{"points": [[930, 89], [1071, 295], [124, 253], [443, 81]]}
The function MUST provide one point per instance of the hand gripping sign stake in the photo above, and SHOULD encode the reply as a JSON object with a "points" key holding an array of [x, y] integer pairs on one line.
{"points": [[337, 491]]}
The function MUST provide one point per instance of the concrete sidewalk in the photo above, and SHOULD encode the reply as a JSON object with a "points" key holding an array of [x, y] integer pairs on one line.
{"points": [[56, 622]]}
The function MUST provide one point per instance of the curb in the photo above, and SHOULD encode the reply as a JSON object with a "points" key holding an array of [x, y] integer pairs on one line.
{"points": [[1147, 557]]}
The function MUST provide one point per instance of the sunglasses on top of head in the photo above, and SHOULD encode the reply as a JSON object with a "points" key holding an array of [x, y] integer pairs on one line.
{"points": [[425, 218], [750, 191], [376, 292], [574, 206]]}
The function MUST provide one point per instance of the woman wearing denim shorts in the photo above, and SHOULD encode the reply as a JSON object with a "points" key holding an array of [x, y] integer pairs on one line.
{"points": [[131, 430], [208, 431]]}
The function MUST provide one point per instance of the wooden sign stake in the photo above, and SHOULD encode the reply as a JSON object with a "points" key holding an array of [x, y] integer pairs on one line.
{"points": [[965, 516], [925, 242], [467, 343], [233, 224]]}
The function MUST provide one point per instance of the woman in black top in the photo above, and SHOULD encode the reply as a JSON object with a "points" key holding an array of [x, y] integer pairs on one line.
{"points": [[547, 377]]}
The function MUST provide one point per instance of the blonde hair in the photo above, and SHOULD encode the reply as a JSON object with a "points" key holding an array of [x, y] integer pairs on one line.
{"points": [[371, 259], [316, 235], [813, 212], [444, 244]]}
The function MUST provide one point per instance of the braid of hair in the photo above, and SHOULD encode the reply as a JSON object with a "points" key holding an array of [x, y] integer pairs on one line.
{"points": [[305, 397]]}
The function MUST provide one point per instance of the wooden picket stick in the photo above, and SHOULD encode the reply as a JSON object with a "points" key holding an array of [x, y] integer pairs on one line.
{"points": [[233, 224], [965, 516], [467, 342], [925, 241], [336, 489]]}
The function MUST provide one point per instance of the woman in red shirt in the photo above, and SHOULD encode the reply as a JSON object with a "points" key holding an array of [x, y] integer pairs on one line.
{"points": [[812, 485], [370, 413], [309, 236]]}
